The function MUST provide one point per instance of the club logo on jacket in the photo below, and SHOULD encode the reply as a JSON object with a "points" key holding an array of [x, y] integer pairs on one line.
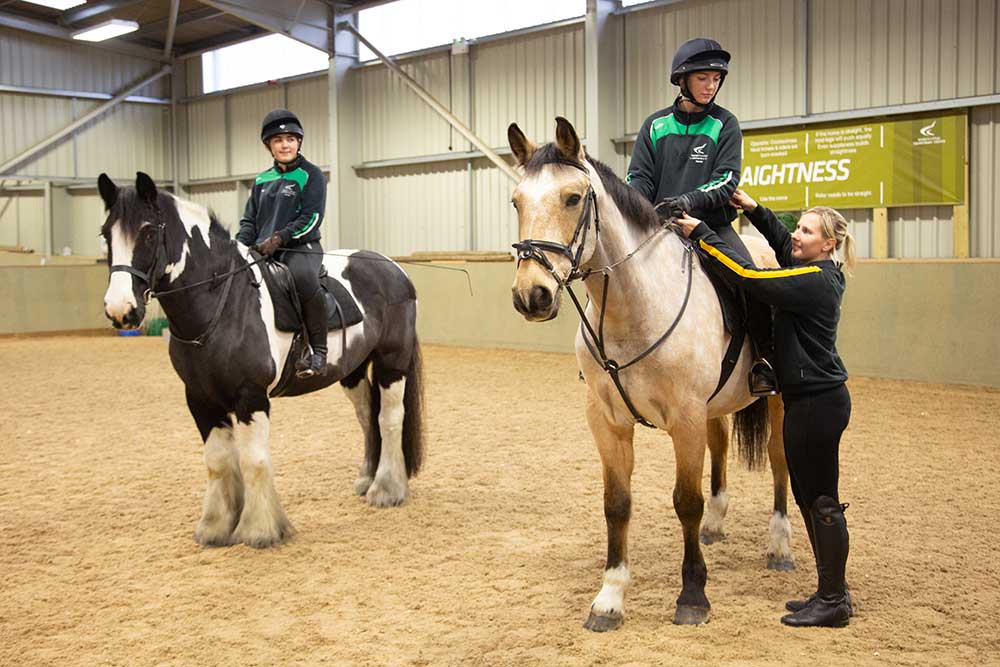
{"points": [[698, 154], [288, 191]]}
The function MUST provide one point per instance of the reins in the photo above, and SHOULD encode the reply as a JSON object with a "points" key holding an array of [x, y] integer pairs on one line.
{"points": [[531, 249]]}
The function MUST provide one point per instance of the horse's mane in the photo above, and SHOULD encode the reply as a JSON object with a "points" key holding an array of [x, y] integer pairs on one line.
{"points": [[634, 207], [133, 212]]}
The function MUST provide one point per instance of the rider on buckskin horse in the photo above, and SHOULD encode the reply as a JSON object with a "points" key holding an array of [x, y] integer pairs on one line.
{"points": [[284, 213], [688, 156]]}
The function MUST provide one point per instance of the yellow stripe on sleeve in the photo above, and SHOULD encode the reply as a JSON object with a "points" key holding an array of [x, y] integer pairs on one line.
{"points": [[752, 273]]}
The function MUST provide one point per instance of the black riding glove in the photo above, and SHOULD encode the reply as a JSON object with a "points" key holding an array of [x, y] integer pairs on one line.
{"points": [[270, 245], [674, 207]]}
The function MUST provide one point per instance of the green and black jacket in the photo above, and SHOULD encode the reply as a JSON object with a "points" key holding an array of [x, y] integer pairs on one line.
{"points": [[289, 202], [697, 154], [807, 305]]}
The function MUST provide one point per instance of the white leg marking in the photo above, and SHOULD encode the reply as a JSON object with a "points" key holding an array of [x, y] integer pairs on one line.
{"points": [[224, 492], [390, 486], [263, 522], [711, 527], [361, 397], [780, 543], [610, 601]]}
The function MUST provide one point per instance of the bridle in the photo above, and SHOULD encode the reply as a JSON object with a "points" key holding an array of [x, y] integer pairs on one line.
{"points": [[531, 249], [152, 274]]}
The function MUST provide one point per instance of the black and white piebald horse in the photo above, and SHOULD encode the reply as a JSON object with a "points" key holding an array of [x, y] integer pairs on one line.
{"points": [[226, 349]]}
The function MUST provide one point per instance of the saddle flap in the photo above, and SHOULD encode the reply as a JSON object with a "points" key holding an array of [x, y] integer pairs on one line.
{"points": [[342, 310], [281, 285]]}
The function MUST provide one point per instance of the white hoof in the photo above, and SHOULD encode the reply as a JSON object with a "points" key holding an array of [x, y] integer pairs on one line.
{"points": [[362, 484], [386, 493]]}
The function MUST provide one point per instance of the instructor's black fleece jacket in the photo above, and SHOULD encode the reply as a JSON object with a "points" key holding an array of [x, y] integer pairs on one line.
{"points": [[807, 300]]}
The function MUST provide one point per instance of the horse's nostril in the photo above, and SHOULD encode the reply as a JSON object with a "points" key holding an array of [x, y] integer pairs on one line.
{"points": [[541, 298]]}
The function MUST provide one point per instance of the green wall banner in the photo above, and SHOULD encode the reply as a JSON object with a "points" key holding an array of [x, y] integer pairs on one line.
{"points": [[891, 162]]}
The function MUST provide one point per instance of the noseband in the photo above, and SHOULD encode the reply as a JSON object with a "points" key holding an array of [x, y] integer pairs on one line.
{"points": [[533, 249]]}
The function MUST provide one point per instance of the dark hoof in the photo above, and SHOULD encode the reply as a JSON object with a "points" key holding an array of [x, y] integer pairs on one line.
{"points": [[686, 615], [597, 623], [712, 536], [780, 563]]}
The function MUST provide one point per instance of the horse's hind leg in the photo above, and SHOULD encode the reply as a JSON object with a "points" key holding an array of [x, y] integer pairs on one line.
{"points": [[779, 548], [223, 500], [614, 442], [389, 486], [718, 503], [263, 522], [359, 390]]}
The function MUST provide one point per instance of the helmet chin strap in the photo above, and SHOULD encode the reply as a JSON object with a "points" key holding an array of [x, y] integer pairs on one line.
{"points": [[686, 94]]}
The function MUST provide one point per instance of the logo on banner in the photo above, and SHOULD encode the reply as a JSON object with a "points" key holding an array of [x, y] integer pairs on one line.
{"points": [[927, 136]]}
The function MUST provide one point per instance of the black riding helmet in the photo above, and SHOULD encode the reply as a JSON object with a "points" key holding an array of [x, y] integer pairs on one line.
{"points": [[698, 55], [280, 121]]}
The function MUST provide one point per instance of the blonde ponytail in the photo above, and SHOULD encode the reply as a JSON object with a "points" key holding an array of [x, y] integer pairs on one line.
{"points": [[835, 227]]}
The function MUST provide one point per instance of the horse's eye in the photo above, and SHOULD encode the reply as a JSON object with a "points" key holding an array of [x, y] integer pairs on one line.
{"points": [[148, 232], [573, 200]]}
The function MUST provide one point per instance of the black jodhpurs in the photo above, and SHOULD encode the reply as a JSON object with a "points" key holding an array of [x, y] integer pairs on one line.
{"points": [[304, 264], [758, 313], [812, 429]]}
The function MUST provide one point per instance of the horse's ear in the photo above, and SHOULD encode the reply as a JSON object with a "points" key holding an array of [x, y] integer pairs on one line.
{"points": [[108, 190], [145, 186], [567, 142], [522, 147]]}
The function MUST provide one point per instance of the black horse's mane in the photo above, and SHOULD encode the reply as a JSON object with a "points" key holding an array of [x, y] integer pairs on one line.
{"points": [[634, 206], [133, 211]]}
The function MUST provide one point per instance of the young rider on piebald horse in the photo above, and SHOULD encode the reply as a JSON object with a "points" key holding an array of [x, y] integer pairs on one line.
{"points": [[806, 294], [284, 212], [688, 156]]}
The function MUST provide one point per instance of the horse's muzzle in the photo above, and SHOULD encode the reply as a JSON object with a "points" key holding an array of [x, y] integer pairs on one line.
{"points": [[130, 320], [538, 305]]}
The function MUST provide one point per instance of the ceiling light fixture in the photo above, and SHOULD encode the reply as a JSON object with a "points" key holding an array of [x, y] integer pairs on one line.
{"points": [[106, 30], [57, 4]]}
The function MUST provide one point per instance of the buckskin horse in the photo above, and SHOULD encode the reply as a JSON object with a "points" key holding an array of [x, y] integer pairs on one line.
{"points": [[650, 346], [226, 348]]}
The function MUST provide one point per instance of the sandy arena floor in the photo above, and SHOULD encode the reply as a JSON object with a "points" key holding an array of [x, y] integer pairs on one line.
{"points": [[498, 554]]}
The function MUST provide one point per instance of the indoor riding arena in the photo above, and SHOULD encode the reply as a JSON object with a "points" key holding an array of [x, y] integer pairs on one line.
{"points": [[138, 527]]}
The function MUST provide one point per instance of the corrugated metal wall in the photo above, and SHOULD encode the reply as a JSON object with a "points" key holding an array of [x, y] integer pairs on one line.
{"points": [[868, 53], [921, 231], [21, 220], [530, 80], [984, 185], [139, 133], [764, 36], [86, 213]]}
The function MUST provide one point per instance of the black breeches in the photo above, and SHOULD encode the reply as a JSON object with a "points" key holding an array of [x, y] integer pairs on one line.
{"points": [[812, 429], [304, 264]]}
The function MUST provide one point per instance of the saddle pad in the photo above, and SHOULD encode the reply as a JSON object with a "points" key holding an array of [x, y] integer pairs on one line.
{"points": [[288, 311]]}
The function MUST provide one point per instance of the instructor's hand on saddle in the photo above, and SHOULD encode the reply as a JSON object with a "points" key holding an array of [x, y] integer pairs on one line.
{"points": [[742, 200], [687, 224], [270, 245]]}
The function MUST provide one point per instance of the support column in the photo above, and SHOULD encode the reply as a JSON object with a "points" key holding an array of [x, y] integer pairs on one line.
{"points": [[47, 217], [603, 36], [343, 193], [880, 233]]}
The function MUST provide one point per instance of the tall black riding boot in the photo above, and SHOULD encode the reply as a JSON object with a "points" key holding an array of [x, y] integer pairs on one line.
{"points": [[315, 316], [796, 605], [829, 608], [763, 381]]}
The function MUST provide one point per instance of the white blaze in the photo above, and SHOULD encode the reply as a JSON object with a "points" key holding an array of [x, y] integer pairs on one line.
{"points": [[120, 299]]}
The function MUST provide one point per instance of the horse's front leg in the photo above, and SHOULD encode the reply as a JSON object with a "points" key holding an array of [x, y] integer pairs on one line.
{"points": [[223, 500], [263, 522], [690, 438], [614, 442], [779, 548], [718, 503]]}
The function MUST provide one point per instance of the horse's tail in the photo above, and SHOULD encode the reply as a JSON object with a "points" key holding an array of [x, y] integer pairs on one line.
{"points": [[413, 413], [751, 431]]}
